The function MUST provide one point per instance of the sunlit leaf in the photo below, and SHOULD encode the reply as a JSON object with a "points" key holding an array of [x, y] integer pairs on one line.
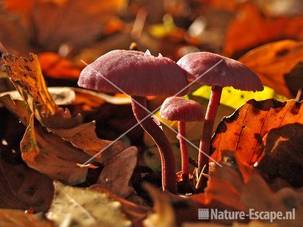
{"points": [[251, 28], [84, 207], [244, 131], [235, 98], [278, 65]]}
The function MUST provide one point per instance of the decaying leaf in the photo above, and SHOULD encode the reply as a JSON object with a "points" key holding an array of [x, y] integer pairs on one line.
{"points": [[243, 132], [283, 156], [260, 29], [275, 62], [84, 207], [117, 172], [49, 154], [23, 188], [16, 218], [26, 74]]}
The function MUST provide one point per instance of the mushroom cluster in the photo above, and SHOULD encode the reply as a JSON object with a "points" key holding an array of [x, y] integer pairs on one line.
{"points": [[140, 74]]}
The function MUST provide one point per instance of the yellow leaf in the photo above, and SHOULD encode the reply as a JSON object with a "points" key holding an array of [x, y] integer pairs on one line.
{"points": [[235, 98]]}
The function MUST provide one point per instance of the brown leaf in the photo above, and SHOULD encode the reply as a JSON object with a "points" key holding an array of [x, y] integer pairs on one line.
{"points": [[84, 137], [16, 218], [23, 188], [228, 185], [243, 132], [259, 29], [25, 73], [117, 172], [283, 155], [58, 22], [51, 155], [275, 63]]}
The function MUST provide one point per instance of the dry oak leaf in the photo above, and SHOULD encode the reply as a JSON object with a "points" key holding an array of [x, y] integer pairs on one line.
{"points": [[24, 188], [275, 63], [243, 131], [17, 218], [83, 137], [51, 155], [56, 152], [26, 75], [259, 29], [58, 22], [84, 207], [116, 174]]}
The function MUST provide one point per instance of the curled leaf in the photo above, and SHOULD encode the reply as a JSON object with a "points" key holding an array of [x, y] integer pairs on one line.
{"points": [[49, 154]]}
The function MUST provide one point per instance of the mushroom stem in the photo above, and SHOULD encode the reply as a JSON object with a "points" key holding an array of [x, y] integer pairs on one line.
{"points": [[164, 147], [214, 102], [183, 148]]}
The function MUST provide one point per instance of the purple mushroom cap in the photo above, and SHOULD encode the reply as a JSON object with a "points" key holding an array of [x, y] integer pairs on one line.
{"points": [[135, 72], [180, 109], [228, 72]]}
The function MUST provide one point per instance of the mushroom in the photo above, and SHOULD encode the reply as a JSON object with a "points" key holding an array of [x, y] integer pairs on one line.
{"points": [[140, 74], [182, 110], [228, 72]]}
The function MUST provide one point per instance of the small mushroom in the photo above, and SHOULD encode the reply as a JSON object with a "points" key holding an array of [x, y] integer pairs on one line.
{"points": [[140, 74], [228, 72], [182, 110]]}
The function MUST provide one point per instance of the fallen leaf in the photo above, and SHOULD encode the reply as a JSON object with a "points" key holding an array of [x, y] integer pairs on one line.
{"points": [[228, 185], [243, 131], [118, 171], [61, 95], [83, 137], [65, 24], [283, 155], [136, 213], [235, 98], [163, 215], [17, 107], [16, 218], [275, 64], [26, 74], [23, 188], [259, 29], [51, 155], [84, 207], [57, 67]]}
